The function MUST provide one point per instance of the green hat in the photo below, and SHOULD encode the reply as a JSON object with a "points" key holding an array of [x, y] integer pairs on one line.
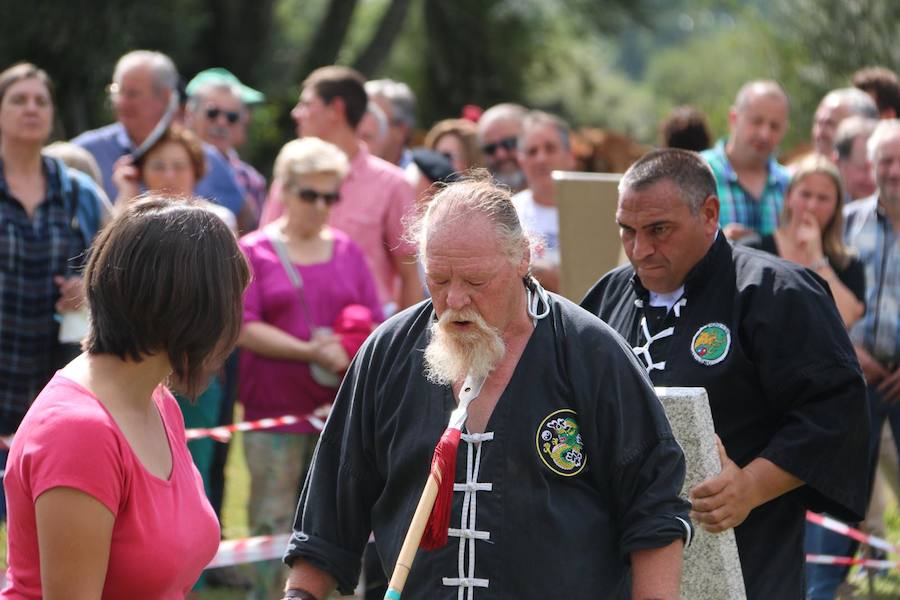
{"points": [[220, 76]]}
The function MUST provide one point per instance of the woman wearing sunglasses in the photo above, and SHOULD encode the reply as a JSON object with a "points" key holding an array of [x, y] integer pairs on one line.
{"points": [[310, 305]]}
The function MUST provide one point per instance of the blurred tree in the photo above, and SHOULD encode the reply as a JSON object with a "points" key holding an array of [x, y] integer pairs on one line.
{"points": [[839, 36], [379, 47], [693, 72], [236, 35], [78, 42], [329, 37]]}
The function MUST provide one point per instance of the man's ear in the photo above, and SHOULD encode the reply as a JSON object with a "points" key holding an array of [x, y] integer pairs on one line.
{"points": [[525, 263], [339, 108], [732, 117], [709, 213]]}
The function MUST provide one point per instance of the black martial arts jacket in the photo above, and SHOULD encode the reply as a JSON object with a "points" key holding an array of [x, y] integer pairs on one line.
{"points": [[764, 337], [577, 468]]}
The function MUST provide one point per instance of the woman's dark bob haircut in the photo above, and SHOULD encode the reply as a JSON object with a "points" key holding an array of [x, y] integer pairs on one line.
{"points": [[166, 275]]}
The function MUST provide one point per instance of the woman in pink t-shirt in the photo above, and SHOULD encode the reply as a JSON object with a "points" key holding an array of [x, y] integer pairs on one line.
{"points": [[305, 276], [104, 501]]}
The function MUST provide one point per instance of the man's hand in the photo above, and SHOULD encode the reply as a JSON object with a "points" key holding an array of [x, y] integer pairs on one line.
{"points": [[723, 501], [71, 293]]}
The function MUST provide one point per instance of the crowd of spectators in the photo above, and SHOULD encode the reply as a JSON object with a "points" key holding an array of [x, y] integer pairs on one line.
{"points": [[325, 242]]}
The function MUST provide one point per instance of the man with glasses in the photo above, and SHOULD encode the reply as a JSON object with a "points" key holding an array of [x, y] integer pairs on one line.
{"points": [[498, 133], [143, 84], [217, 112]]}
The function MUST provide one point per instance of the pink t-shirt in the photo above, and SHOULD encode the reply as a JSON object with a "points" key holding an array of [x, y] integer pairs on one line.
{"points": [[375, 198], [165, 531], [272, 388]]}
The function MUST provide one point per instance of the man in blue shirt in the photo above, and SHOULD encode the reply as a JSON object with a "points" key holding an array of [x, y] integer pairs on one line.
{"points": [[143, 82], [750, 183]]}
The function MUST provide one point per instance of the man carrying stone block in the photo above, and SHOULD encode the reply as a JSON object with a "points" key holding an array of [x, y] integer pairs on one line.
{"points": [[764, 338]]}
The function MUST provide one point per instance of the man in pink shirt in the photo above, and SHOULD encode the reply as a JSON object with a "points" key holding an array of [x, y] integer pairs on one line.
{"points": [[375, 197]]}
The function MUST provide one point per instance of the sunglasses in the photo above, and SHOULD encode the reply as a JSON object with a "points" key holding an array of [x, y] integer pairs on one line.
{"points": [[509, 144], [231, 116], [308, 195]]}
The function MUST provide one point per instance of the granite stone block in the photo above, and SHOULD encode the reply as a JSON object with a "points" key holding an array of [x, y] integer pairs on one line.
{"points": [[712, 568]]}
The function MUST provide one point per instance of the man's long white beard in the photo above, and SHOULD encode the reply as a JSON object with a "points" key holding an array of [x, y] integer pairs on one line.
{"points": [[453, 354]]}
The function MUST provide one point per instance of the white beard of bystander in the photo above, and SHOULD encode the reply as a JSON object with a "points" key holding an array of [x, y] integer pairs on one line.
{"points": [[455, 352]]}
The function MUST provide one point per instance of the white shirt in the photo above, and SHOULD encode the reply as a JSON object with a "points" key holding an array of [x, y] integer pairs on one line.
{"points": [[541, 220]]}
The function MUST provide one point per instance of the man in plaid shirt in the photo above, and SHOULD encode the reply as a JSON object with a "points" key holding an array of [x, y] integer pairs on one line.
{"points": [[750, 183]]}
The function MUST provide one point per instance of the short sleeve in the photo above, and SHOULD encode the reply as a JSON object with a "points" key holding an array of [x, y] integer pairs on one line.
{"points": [[649, 467], [79, 450]]}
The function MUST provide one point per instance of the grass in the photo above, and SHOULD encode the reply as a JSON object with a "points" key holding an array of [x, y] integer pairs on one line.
{"points": [[887, 583]]}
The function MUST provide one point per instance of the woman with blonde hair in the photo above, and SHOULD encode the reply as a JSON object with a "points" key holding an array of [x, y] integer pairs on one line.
{"points": [[811, 230]]}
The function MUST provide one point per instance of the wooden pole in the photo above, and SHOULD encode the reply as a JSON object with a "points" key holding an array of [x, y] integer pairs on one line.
{"points": [[413, 537]]}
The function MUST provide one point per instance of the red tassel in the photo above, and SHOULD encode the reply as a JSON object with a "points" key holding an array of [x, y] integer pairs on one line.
{"points": [[443, 467]]}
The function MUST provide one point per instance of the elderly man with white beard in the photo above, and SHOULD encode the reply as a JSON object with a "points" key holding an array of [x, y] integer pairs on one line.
{"points": [[567, 476]]}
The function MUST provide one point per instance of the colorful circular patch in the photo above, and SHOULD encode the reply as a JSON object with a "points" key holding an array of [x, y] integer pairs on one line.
{"points": [[711, 343], [559, 443]]}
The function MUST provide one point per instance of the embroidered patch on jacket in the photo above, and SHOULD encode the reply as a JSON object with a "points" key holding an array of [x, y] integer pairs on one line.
{"points": [[711, 343], [559, 443]]}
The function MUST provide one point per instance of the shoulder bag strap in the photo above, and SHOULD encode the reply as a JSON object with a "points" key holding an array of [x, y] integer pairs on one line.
{"points": [[292, 274]]}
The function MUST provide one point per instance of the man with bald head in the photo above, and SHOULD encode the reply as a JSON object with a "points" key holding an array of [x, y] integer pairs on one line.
{"points": [[499, 129], [836, 106], [750, 183]]}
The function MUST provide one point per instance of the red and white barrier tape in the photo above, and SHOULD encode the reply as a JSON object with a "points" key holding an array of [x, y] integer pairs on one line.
{"points": [[223, 433], [856, 534], [247, 550], [823, 559]]}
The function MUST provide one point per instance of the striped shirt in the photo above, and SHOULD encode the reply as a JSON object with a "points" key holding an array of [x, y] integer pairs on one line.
{"points": [[870, 232], [33, 251], [737, 205]]}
